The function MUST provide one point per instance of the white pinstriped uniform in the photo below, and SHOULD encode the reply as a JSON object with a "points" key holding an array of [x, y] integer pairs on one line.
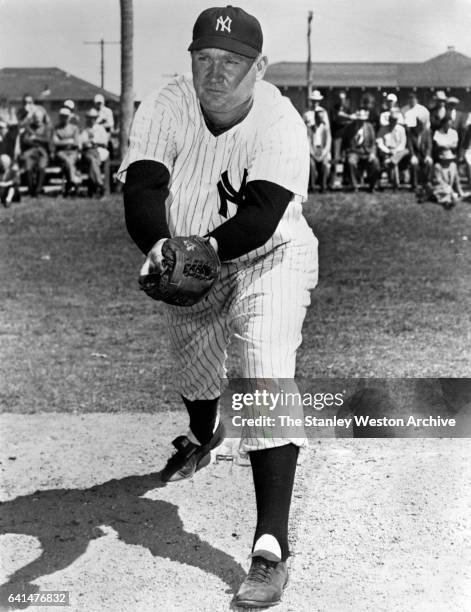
{"points": [[261, 297]]}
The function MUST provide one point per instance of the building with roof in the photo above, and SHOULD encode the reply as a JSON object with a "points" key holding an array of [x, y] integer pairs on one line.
{"points": [[50, 87], [450, 71]]}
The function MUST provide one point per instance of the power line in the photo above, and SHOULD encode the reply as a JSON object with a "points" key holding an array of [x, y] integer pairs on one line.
{"points": [[102, 44]]}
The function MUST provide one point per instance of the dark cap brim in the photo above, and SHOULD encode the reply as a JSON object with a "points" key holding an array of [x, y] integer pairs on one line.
{"points": [[225, 43]]}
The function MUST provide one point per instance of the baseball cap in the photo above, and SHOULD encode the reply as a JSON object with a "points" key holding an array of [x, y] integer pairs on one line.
{"points": [[440, 95], [453, 100], [65, 111], [391, 97], [99, 98], [92, 113], [69, 104], [229, 28]]}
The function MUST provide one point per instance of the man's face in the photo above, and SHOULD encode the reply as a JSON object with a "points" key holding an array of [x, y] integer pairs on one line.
{"points": [[28, 102], [223, 80]]}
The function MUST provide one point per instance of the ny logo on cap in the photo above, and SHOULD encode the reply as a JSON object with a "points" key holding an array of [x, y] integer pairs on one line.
{"points": [[224, 23]]}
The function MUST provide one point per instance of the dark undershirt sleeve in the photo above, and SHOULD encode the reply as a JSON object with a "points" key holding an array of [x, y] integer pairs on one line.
{"points": [[145, 192], [255, 221]]}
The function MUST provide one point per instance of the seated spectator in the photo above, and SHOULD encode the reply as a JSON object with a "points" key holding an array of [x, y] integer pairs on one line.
{"points": [[66, 141], [446, 188], [35, 147], [315, 105], [31, 112], [320, 142], [419, 145], [392, 147], [438, 110], [105, 114], [391, 105], [368, 103], [9, 181], [466, 148], [415, 111], [444, 138], [94, 143], [341, 117], [360, 147], [74, 118]]}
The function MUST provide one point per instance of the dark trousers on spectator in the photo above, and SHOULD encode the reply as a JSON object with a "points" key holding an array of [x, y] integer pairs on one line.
{"points": [[35, 162], [68, 160], [357, 165], [420, 173]]}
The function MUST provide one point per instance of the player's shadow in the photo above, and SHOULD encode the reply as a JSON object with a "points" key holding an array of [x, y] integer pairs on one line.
{"points": [[65, 521]]}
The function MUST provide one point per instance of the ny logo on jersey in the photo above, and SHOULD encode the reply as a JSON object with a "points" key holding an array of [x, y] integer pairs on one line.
{"points": [[227, 193], [224, 23]]}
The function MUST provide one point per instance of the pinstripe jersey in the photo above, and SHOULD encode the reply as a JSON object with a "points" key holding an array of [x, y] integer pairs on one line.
{"points": [[208, 173]]}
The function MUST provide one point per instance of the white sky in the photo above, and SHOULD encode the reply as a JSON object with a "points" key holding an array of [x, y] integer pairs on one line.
{"points": [[52, 32]]}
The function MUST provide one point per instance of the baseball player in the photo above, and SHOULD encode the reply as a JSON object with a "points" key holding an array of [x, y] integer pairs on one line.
{"points": [[223, 155]]}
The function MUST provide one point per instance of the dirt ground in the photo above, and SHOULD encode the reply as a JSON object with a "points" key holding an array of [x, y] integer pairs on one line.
{"points": [[377, 525], [88, 412]]}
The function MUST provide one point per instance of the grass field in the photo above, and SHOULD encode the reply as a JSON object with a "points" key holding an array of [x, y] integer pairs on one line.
{"points": [[76, 334]]}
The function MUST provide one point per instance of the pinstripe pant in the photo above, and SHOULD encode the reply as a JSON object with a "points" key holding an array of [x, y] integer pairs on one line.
{"points": [[262, 304]]}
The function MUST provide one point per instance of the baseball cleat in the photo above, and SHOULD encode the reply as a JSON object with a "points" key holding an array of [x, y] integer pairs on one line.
{"points": [[189, 457], [264, 584]]}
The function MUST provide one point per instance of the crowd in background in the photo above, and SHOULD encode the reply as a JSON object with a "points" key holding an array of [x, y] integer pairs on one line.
{"points": [[420, 143], [30, 143]]}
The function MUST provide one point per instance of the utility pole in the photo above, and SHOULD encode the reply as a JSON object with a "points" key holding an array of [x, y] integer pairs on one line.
{"points": [[102, 44], [308, 67]]}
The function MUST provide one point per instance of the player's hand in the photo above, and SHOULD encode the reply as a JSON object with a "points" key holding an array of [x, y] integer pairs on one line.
{"points": [[154, 260]]}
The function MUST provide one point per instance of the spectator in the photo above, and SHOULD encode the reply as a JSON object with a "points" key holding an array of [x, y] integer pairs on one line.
{"points": [[315, 105], [419, 145], [368, 103], [320, 143], [415, 111], [438, 110], [105, 114], [9, 181], [392, 146], [341, 117], [446, 188], [391, 104], [35, 147], [32, 113], [458, 120], [466, 148], [94, 143], [66, 140], [444, 138], [4, 143], [8, 112], [360, 146], [74, 118]]}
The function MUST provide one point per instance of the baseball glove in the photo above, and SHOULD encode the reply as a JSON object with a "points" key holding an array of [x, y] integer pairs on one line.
{"points": [[190, 268]]}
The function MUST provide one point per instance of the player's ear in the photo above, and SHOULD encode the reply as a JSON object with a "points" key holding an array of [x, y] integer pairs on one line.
{"points": [[261, 64]]}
